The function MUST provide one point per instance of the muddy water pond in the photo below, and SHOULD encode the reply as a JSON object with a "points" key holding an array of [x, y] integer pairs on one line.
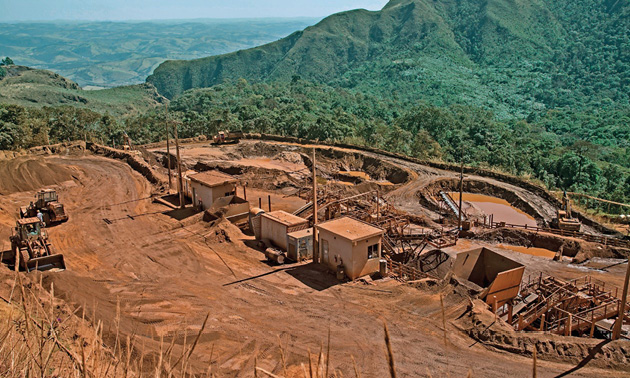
{"points": [[540, 252], [500, 208], [359, 174]]}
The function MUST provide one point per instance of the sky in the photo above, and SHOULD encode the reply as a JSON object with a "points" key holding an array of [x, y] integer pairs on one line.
{"points": [[119, 10]]}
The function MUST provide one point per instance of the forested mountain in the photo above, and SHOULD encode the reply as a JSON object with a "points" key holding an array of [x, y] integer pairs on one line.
{"points": [[512, 57]]}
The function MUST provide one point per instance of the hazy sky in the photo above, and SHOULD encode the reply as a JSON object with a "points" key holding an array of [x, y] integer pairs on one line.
{"points": [[36, 10]]}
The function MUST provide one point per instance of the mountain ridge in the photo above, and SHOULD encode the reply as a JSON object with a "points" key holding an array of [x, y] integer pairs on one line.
{"points": [[34, 87], [509, 56]]}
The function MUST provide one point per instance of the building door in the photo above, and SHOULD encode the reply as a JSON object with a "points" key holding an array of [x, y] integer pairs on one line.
{"points": [[293, 253], [324, 251]]}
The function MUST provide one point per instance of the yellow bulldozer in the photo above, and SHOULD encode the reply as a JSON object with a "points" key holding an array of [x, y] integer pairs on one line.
{"points": [[564, 219], [47, 202], [31, 247]]}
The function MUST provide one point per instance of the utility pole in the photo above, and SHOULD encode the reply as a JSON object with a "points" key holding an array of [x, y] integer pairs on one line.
{"points": [[315, 241], [622, 307], [168, 153], [461, 189], [180, 186]]}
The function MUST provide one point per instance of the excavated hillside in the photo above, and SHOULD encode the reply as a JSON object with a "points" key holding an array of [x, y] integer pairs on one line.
{"points": [[154, 274]]}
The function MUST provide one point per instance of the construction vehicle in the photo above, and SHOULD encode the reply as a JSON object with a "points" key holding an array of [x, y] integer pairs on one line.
{"points": [[32, 249], [564, 219], [227, 137], [48, 203]]}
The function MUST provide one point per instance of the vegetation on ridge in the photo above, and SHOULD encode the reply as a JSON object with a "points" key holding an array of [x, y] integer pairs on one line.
{"points": [[510, 58], [31, 87]]}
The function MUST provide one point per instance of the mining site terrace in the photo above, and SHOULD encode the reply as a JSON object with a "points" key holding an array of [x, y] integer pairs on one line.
{"points": [[147, 270]]}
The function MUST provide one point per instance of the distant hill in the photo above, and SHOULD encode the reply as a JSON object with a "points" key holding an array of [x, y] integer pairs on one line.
{"points": [[109, 54], [32, 87], [512, 57]]}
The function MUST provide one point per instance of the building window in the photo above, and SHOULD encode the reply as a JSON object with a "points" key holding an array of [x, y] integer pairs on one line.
{"points": [[373, 251]]}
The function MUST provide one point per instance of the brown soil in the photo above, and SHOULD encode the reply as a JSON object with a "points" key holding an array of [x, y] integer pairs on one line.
{"points": [[168, 272], [578, 249], [480, 324]]}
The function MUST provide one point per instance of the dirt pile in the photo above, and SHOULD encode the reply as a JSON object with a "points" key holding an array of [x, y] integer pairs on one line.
{"points": [[134, 161], [29, 173], [479, 323], [289, 157], [330, 161]]}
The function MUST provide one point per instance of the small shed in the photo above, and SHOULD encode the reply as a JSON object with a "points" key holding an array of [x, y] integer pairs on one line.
{"points": [[497, 275], [210, 185], [277, 225], [354, 244], [300, 245]]}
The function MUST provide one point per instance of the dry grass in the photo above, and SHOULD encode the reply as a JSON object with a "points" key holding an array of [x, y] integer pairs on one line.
{"points": [[40, 336]]}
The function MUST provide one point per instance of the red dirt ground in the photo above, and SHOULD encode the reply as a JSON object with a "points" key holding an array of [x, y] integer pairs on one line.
{"points": [[169, 274]]}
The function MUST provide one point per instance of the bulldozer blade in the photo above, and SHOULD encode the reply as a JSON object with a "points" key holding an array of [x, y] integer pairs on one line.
{"points": [[46, 263]]}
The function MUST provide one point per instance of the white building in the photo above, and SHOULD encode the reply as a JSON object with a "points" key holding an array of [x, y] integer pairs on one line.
{"points": [[351, 243], [277, 225], [208, 186]]}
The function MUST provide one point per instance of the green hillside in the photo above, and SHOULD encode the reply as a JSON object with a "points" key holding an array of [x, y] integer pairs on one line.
{"points": [[38, 88], [512, 57]]}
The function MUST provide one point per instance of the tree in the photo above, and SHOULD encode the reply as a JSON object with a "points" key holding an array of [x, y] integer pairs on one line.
{"points": [[425, 147], [6, 62], [585, 151], [613, 176]]}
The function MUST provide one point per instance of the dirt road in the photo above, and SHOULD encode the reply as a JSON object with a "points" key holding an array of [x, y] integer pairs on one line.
{"points": [[168, 274]]}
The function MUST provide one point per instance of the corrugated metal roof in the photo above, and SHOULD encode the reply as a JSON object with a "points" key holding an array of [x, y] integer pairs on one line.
{"points": [[284, 218], [350, 228], [212, 178]]}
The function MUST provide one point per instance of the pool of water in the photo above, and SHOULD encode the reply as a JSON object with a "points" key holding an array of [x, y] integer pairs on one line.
{"points": [[499, 208], [359, 174], [541, 252]]}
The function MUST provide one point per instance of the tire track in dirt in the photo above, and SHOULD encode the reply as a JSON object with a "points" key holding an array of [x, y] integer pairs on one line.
{"points": [[167, 279]]}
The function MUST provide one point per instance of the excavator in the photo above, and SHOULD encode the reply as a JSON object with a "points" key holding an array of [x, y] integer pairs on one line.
{"points": [[48, 203], [564, 219], [31, 247]]}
